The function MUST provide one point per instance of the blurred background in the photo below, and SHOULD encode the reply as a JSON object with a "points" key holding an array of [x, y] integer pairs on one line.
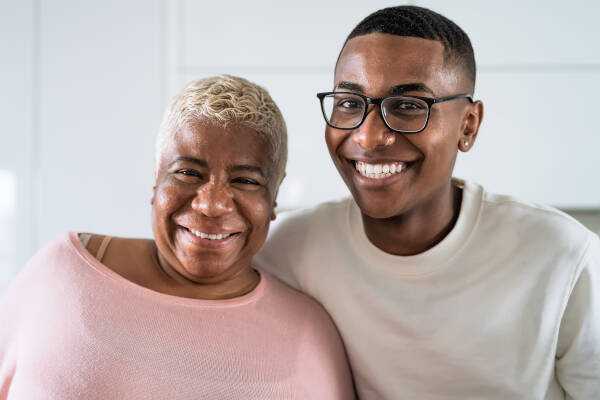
{"points": [[83, 86]]}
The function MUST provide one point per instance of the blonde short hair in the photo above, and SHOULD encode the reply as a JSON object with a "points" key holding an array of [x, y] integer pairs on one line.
{"points": [[224, 100]]}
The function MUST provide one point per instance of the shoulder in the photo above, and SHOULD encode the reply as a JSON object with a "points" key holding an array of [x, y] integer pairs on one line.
{"points": [[294, 229], [51, 264], [293, 304], [532, 225], [533, 216], [62, 250], [301, 220], [292, 236]]}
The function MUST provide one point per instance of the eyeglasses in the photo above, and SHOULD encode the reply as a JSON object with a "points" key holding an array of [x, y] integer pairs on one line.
{"points": [[402, 114]]}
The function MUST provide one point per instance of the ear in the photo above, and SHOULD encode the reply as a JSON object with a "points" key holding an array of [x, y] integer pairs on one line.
{"points": [[470, 126], [273, 214], [153, 195]]}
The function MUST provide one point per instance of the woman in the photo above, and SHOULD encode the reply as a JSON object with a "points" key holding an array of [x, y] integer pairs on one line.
{"points": [[185, 315]]}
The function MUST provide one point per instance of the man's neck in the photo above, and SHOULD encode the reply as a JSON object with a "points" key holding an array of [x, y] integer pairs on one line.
{"points": [[418, 230]]}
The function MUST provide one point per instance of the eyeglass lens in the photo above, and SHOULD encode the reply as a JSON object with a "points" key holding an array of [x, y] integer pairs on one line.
{"points": [[346, 110]]}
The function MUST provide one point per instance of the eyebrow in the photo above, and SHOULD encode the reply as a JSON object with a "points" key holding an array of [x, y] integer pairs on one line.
{"points": [[204, 164], [192, 160], [250, 168], [394, 90]]}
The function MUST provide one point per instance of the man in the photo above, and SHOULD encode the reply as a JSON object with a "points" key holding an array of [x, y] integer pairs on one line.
{"points": [[440, 290]]}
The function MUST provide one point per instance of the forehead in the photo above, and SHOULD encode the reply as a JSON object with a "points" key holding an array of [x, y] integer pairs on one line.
{"points": [[232, 145], [379, 61]]}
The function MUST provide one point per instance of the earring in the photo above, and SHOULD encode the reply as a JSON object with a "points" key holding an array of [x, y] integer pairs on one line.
{"points": [[466, 143]]}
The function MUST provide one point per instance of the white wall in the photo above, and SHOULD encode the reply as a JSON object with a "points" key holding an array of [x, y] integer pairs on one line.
{"points": [[84, 85]]}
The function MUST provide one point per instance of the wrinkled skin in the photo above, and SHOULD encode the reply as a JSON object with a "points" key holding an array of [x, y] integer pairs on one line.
{"points": [[215, 180]]}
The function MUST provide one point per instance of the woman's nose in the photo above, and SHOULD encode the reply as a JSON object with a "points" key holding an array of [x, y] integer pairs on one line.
{"points": [[373, 132], [213, 200]]}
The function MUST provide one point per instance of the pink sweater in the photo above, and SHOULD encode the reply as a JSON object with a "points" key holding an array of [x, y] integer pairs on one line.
{"points": [[71, 328]]}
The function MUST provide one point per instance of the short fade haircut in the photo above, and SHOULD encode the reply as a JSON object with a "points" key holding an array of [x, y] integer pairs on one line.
{"points": [[223, 100], [426, 24]]}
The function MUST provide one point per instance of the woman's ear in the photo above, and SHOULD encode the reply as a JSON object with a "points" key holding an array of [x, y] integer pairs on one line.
{"points": [[153, 195], [470, 126], [273, 214]]}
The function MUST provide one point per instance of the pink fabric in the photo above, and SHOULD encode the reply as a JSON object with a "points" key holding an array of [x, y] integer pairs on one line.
{"points": [[70, 328]]}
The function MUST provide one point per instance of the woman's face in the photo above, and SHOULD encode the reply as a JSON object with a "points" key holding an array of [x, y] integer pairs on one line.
{"points": [[213, 201]]}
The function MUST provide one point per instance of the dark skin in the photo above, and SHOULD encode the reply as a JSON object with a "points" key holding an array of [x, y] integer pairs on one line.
{"points": [[212, 180], [410, 212]]}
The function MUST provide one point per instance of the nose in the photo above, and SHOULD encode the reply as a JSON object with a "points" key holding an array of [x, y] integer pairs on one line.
{"points": [[373, 132], [213, 200]]}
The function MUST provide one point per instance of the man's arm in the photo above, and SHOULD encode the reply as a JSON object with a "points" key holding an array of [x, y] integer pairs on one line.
{"points": [[578, 351]]}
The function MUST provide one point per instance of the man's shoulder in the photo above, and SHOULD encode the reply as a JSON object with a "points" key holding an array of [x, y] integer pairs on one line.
{"points": [[304, 215], [535, 222], [296, 224], [293, 235], [532, 213]]}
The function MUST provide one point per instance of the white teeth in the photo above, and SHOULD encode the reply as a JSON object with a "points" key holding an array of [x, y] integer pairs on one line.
{"points": [[379, 171], [210, 236]]}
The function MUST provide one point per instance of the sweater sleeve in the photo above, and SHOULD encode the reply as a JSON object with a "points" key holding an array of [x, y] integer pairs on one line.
{"points": [[578, 350], [9, 305]]}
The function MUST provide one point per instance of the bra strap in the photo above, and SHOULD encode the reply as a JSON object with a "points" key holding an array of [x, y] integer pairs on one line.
{"points": [[103, 247]]}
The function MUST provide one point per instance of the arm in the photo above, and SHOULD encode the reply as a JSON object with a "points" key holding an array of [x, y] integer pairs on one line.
{"points": [[578, 349], [8, 310]]}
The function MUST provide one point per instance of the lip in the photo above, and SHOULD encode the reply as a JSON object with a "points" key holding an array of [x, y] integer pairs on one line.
{"points": [[216, 244]]}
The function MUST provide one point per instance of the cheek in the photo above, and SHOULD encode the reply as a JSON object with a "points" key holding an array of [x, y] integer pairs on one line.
{"points": [[257, 210], [167, 199], [333, 139], [439, 145]]}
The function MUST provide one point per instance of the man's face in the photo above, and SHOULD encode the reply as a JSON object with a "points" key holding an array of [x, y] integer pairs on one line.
{"points": [[378, 65]]}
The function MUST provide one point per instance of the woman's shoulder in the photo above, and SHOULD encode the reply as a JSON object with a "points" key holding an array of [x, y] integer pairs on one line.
{"points": [[54, 262], [96, 243], [293, 304]]}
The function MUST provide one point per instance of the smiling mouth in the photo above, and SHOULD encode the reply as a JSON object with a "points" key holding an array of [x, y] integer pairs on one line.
{"points": [[380, 170], [210, 236]]}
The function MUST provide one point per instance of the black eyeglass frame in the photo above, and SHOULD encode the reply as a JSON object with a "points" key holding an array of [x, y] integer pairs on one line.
{"points": [[379, 100]]}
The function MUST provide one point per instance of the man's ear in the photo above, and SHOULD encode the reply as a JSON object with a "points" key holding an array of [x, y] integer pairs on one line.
{"points": [[470, 126], [273, 214]]}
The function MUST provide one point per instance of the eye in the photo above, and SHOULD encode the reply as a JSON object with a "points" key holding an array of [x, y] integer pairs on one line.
{"points": [[408, 105], [246, 181], [405, 107], [348, 103], [188, 173]]}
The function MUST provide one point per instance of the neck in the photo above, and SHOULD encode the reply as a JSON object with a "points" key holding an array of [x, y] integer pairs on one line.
{"points": [[241, 283], [419, 229]]}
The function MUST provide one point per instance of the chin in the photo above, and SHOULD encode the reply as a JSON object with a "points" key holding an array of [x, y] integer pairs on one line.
{"points": [[376, 211]]}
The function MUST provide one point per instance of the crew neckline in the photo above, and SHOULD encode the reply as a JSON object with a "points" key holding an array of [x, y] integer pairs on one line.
{"points": [[115, 278], [431, 260]]}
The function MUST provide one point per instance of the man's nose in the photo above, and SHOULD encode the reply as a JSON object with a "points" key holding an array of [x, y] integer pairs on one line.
{"points": [[373, 132], [213, 200]]}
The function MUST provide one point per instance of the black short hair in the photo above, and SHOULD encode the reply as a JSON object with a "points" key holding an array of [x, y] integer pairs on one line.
{"points": [[422, 23]]}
